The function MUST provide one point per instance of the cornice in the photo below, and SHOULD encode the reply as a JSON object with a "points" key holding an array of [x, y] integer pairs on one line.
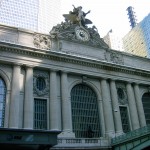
{"points": [[68, 58]]}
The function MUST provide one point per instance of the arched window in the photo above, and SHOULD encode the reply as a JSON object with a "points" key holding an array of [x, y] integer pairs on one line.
{"points": [[85, 116], [2, 101], [146, 106]]}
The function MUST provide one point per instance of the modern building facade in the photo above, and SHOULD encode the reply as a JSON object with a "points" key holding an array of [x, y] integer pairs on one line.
{"points": [[137, 40], [113, 41], [36, 15], [70, 82]]}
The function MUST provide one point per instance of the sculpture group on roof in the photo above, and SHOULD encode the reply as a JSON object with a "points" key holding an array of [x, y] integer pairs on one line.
{"points": [[77, 16], [75, 28]]}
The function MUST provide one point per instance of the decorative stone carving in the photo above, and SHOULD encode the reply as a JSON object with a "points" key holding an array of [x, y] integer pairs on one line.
{"points": [[40, 83], [77, 16], [42, 41], [122, 94], [114, 57], [78, 32]]}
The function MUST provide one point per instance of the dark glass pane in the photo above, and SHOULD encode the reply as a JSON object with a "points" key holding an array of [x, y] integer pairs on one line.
{"points": [[40, 83], [2, 101], [120, 93], [146, 106], [125, 119], [40, 114]]}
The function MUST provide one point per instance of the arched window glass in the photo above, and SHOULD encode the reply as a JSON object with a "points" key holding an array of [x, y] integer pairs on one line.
{"points": [[146, 106], [40, 83], [85, 116], [2, 101]]}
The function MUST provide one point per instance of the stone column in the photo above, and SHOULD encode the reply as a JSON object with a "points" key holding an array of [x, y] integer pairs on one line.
{"points": [[66, 107], [7, 108], [15, 95], [54, 103], [116, 110], [101, 116], [132, 107], [139, 105], [28, 101], [108, 117]]}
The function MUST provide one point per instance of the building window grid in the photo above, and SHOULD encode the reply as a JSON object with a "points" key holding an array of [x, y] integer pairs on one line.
{"points": [[84, 112], [2, 101], [124, 118], [146, 106], [40, 114]]}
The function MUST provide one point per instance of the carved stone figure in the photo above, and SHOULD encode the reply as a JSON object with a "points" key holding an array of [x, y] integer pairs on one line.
{"points": [[77, 16], [75, 28], [42, 41]]}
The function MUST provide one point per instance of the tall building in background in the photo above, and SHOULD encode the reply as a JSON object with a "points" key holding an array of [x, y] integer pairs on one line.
{"points": [[137, 41], [36, 15], [113, 41], [132, 16], [49, 14]]}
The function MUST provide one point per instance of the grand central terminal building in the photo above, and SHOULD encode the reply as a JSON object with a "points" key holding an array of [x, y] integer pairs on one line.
{"points": [[69, 90]]}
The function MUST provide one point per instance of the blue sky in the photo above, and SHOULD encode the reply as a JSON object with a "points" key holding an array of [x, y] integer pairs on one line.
{"points": [[110, 14]]}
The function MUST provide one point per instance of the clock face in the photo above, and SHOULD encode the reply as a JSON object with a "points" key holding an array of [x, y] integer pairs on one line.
{"points": [[82, 35]]}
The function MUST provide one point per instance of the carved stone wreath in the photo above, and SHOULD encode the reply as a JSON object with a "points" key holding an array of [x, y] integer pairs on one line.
{"points": [[42, 41], [45, 78]]}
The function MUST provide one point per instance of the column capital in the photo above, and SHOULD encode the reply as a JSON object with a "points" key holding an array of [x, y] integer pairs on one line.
{"points": [[112, 80], [28, 66], [53, 70], [63, 72], [128, 82], [136, 83], [104, 78], [17, 64]]}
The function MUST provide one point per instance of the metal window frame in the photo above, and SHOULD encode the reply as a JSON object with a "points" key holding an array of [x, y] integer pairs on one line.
{"points": [[147, 115], [3, 101], [85, 111], [44, 121], [128, 115]]}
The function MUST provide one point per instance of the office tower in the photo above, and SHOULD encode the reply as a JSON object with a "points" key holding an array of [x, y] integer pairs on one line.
{"points": [[113, 41], [132, 17], [137, 41], [36, 15]]}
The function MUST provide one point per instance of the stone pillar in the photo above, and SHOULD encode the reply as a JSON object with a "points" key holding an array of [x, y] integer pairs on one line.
{"points": [[15, 95], [108, 117], [132, 107], [139, 105], [66, 107], [116, 110], [101, 116], [7, 108], [28, 101], [54, 103]]}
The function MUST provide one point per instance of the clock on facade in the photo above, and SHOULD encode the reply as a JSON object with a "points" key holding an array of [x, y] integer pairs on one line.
{"points": [[82, 34]]}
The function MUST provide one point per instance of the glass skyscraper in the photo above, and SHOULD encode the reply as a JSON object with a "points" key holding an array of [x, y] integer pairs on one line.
{"points": [[145, 26], [137, 41], [36, 15]]}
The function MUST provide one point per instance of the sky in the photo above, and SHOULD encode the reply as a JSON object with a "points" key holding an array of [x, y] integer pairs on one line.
{"points": [[109, 14]]}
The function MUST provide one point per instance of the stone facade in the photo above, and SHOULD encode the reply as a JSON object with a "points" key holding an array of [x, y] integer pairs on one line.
{"points": [[63, 63]]}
